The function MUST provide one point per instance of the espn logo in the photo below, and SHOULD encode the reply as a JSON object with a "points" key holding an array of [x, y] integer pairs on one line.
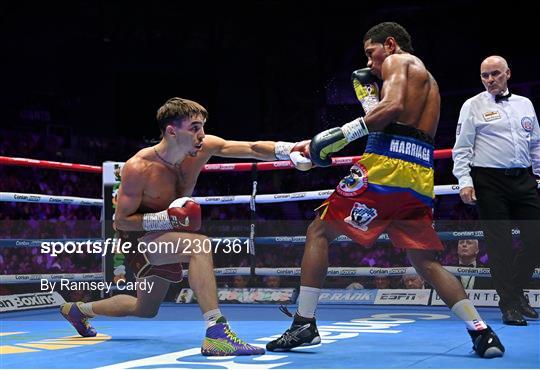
{"points": [[398, 296]]}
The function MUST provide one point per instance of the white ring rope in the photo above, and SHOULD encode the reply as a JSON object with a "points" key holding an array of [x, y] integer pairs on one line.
{"points": [[264, 271], [36, 278], [223, 199], [370, 271], [49, 199]]}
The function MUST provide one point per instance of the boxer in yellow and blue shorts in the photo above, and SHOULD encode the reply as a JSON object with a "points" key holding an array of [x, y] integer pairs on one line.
{"points": [[390, 189]]}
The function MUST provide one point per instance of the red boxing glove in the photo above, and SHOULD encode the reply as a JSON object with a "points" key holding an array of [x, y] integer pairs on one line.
{"points": [[183, 214]]}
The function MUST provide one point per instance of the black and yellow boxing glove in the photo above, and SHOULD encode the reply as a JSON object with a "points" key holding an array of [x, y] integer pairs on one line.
{"points": [[367, 88], [333, 140]]}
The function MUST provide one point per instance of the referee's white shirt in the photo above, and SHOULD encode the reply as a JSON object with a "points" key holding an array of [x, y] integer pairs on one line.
{"points": [[496, 135]]}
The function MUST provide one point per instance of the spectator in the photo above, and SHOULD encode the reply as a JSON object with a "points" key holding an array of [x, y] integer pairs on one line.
{"points": [[413, 281], [355, 285], [467, 251], [272, 281], [381, 282], [240, 281]]}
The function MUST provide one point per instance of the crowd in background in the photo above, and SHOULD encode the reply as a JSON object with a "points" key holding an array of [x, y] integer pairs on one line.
{"points": [[50, 221]]}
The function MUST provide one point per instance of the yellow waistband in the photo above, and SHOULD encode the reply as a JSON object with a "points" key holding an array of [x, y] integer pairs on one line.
{"points": [[395, 172]]}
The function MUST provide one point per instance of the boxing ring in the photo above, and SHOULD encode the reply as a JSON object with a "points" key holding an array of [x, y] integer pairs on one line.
{"points": [[404, 334]]}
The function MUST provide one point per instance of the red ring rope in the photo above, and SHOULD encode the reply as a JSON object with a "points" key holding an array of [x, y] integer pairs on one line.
{"points": [[213, 167]]}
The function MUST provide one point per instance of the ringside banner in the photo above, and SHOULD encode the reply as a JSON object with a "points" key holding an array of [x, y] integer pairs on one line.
{"points": [[403, 296], [245, 295], [348, 296], [489, 298], [18, 302]]}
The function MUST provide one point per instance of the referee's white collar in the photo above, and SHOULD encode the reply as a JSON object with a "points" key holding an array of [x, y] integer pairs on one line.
{"points": [[492, 97]]}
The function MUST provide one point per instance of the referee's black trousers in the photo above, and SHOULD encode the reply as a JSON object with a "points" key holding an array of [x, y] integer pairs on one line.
{"points": [[508, 198]]}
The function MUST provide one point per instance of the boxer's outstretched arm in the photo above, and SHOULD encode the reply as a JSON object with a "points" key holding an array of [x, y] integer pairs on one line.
{"points": [[130, 196], [395, 76], [262, 150], [297, 153]]}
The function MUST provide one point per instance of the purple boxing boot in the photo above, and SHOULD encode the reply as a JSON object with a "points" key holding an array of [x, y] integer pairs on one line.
{"points": [[79, 320], [220, 340]]}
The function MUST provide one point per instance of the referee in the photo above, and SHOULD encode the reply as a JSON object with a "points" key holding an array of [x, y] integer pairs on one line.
{"points": [[497, 150]]}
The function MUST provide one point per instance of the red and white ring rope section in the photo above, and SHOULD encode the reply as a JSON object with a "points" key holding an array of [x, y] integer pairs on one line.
{"points": [[212, 167], [217, 167]]}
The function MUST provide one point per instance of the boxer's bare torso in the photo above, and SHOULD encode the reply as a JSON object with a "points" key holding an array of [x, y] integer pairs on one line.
{"points": [[422, 99], [149, 184], [164, 183]]}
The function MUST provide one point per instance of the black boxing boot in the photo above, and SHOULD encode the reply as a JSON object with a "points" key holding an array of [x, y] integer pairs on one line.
{"points": [[303, 332], [486, 343]]}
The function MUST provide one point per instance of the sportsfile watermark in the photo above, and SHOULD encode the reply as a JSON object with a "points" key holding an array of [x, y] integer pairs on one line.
{"points": [[116, 245]]}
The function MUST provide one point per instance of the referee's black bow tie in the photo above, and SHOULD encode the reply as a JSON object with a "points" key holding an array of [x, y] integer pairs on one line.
{"points": [[499, 98]]}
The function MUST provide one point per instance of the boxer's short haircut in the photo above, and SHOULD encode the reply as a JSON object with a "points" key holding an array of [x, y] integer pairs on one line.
{"points": [[379, 33], [175, 110]]}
